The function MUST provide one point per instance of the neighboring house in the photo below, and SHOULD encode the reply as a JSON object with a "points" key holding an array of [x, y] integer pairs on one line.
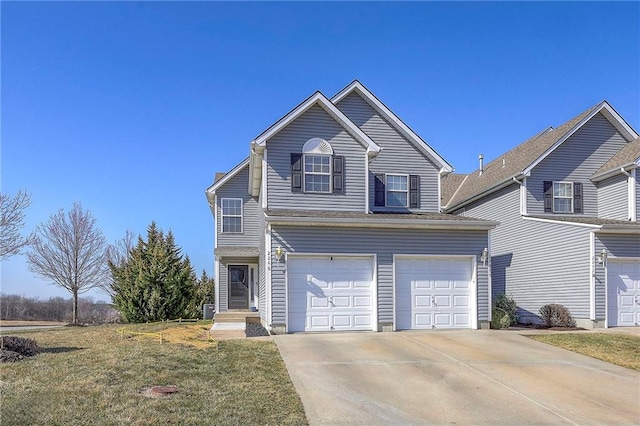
{"points": [[567, 201], [334, 223]]}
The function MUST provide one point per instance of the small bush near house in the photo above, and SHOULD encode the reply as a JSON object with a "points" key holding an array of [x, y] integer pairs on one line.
{"points": [[14, 348], [555, 315], [504, 311]]}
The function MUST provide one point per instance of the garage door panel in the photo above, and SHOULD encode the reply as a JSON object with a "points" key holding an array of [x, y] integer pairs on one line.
{"points": [[461, 301], [422, 302], [317, 302], [342, 321], [446, 285], [461, 320], [326, 293], [442, 320], [422, 320], [433, 293], [363, 302], [318, 321]]}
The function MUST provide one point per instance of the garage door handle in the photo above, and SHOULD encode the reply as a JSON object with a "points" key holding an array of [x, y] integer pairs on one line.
{"points": [[637, 300], [433, 301], [331, 301]]}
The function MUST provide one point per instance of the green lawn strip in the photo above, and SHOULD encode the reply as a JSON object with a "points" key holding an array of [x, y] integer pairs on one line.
{"points": [[618, 349], [89, 375]]}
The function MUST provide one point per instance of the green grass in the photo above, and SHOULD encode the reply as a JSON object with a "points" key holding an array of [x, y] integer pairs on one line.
{"points": [[89, 375], [618, 349]]}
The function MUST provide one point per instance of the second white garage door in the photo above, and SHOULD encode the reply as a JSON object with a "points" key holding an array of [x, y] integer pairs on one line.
{"points": [[329, 293], [623, 292], [434, 292]]}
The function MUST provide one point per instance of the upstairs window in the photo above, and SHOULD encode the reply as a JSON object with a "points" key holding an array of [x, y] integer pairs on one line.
{"points": [[317, 173], [397, 190], [317, 169], [562, 197], [231, 215]]}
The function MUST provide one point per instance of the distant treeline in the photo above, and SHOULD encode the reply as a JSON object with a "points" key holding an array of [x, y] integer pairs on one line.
{"points": [[15, 307]]}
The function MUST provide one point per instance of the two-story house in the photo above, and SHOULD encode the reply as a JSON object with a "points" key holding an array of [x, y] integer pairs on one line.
{"points": [[567, 201], [334, 223]]}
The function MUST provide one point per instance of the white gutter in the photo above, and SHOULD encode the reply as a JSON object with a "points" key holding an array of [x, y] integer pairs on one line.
{"points": [[342, 222]]}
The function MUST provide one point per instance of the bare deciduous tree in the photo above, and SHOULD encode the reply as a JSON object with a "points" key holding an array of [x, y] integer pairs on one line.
{"points": [[11, 222], [71, 251], [117, 255]]}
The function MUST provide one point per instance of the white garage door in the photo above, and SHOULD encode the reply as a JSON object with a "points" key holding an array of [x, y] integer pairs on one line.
{"points": [[433, 293], [623, 293], [330, 293]]}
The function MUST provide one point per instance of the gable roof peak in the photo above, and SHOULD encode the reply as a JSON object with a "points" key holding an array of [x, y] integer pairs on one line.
{"points": [[520, 160], [375, 103]]}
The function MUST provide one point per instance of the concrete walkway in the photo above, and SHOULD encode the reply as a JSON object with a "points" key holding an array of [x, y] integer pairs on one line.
{"points": [[454, 377]]}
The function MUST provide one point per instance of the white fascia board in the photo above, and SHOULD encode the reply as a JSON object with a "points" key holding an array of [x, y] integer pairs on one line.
{"points": [[382, 109], [342, 222], [561, 222], [212, 189], [614, 171], [608, 112], [319, 99]]}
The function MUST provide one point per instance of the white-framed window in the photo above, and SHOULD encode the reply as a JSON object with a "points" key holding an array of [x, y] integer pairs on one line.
{"points": [[563, 197], [317, 173], [397, 187], [231, 215]]}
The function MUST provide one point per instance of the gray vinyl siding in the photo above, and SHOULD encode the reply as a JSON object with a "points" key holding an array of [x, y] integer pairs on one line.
{"points": [[237, 187], [613, 198], [538, 263], [223, 286], [384, 243], [315, 123], [576, 160], [262, 273], [398, 154], [616, 246]]}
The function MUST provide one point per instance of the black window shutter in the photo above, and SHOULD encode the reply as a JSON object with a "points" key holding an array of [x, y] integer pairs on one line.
{"points": [[414, 191], [296, 172], [548, 196], [577, 197], [338, 174], [379, 189]]}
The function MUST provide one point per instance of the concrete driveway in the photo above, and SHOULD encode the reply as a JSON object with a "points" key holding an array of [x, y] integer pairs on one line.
{"points": [[454, 377]]}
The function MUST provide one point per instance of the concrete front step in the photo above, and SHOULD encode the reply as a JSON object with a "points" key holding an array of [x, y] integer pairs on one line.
{"points": [[222, 317]]}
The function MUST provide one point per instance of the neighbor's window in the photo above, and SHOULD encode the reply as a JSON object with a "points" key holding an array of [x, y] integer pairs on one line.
{"points": [[317, 173], [232, 215], [562, 197], [397, 190]]}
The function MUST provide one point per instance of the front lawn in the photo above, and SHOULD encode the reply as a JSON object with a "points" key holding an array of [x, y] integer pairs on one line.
{"points": [[619, 349], [91, 375]]}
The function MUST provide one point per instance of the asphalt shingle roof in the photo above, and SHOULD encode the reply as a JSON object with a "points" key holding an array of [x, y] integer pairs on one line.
{"points": [[627, 155], [513, 162]]}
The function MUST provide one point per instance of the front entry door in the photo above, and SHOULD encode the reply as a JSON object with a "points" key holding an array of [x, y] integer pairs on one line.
{"points": [[238, 287]]}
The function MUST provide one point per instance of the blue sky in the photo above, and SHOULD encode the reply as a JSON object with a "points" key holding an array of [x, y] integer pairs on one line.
{"points": [[131, 107]]}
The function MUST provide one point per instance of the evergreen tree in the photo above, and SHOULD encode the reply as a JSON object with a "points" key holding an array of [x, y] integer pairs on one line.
{"points": [[204, 293], [155, 282]]}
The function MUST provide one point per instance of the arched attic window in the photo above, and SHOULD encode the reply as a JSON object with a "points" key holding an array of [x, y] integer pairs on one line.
{"points": [[317, 169]]}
